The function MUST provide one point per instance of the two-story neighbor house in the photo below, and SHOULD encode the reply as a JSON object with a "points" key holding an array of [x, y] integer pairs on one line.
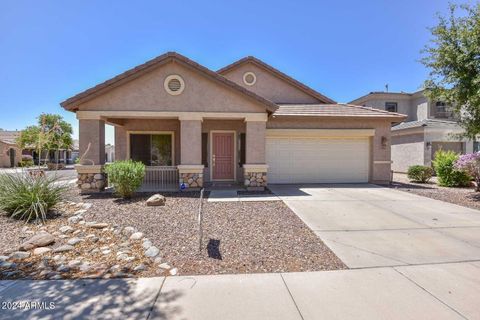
{"points": [[430, 126]]}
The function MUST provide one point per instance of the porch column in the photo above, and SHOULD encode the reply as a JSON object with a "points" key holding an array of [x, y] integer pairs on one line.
{"points": [[92, 132], [91, 176], [255, 169], [190, 168], [120, 143]]}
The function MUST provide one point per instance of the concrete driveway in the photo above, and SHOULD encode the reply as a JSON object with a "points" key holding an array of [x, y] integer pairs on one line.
{"points": [[371, 226]]}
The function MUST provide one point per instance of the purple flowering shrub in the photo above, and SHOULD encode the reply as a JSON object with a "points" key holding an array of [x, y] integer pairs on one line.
{"points": [[470, 163]]}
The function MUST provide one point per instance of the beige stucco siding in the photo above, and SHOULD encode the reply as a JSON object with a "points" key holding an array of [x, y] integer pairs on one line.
{"points": [[380, 166], [407, 150], [269, 86], [92, 132], [4, 156], [147, 93]]}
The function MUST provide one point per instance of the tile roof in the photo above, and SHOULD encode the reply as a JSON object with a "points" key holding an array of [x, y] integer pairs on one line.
{"points": [[280, 74], [334, 110], [9, 137], [425, 123]]}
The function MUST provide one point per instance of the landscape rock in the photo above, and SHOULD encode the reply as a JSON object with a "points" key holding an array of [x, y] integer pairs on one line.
{"points": [[140, 267], [41, 250], [152, 252], [63, 268], [19, 255], [74, 241], [136, 236], [97, 225], [146, 244], [66, 229], [173, 271], [165, 266], [3, 258], [156, 200], [74, 219], [63, 248], [128, 230], [74, 263], [41, 239]]}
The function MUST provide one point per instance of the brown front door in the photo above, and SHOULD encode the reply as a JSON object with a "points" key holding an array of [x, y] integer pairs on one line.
{"points": [[223, 155]]}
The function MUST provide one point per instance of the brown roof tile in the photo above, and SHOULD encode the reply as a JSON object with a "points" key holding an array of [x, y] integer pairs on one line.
{"points": [[334, 110]]}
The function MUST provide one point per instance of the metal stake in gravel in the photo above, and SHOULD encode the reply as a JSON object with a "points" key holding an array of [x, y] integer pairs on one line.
{"points": [[200, 219]]}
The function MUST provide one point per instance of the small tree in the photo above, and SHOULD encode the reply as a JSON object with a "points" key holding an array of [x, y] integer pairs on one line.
{"points": [[453, 59], [51, 133], [470, 163]]}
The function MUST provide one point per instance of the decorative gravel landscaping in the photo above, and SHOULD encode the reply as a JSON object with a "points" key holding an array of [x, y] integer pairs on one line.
{"points": [[239, 237], [68, 246], [462, 196]]}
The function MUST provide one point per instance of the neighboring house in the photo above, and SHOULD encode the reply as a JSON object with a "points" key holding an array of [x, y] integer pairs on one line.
{"points": [[430, 126], [246, 123], [109, 153], [10, 153]]}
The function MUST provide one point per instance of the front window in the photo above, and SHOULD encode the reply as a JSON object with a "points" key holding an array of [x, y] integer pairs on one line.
{"points": [[391, 106], [441, 106], [152, 149]]}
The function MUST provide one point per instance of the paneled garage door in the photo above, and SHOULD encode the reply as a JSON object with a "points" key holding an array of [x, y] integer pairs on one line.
{"points": [[317, 159]]}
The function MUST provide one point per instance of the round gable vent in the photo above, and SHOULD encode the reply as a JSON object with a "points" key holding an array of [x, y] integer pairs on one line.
{"points": [[249, 78], [174, 84]]}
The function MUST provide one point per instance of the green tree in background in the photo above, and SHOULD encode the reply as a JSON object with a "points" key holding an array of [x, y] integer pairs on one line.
{"points": [[51, 133], [453, 57]]}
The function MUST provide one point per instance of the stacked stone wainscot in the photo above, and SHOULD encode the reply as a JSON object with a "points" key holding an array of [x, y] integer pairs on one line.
{"points": [[255, 176], [191, 176], [91, 178]]}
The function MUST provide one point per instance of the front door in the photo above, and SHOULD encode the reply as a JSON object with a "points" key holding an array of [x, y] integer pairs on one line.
{"points": [[223, 149], [12, 157]]}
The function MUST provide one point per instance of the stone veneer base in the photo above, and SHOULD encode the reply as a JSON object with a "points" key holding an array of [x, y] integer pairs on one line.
{"points": [[91, 179]]}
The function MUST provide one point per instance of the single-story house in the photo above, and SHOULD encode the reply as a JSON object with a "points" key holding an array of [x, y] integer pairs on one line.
{"points": [[247, 123], [10, 153]]}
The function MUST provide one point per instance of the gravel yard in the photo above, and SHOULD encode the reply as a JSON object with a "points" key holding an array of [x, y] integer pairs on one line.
{"points": [[462, 196], [239, 237]]}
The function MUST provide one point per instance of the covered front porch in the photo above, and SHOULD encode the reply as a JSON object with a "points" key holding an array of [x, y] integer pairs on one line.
{"points": [[186, 150]]}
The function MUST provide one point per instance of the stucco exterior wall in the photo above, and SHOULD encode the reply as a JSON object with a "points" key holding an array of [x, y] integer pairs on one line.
{"points": [[5, 157], [407, 150], [269, 86], [404, 104], [444, 135], [147, 93], [92, 132], [120, 143], [380, 171], [191, 141], [255, 142]]}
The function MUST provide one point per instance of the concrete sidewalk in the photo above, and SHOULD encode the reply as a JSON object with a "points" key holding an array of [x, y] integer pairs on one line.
{"points": [[441, 291]]}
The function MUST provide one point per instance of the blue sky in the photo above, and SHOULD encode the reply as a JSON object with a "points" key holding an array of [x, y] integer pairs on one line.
{"points": [[51, 50]]}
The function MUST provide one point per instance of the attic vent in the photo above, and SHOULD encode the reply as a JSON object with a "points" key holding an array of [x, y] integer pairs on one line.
{"points": [[249, 78], [174, 84]]}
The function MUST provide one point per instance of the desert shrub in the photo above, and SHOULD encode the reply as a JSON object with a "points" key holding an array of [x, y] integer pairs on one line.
{"points": [[27, 161], [448, 175], [125, 176], [470, 163], [419, 173], [29, 198]]}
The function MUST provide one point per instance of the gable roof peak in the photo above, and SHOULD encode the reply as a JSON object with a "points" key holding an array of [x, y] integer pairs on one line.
{"points": [[71, 103], [303, 87]]}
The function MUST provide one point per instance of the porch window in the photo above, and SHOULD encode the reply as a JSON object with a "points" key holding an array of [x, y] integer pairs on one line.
{"points": [[152, 149]]}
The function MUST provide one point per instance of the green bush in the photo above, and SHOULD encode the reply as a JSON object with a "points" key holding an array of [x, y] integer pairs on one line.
{"points": [[125, 176], [420, 174], [26, 163], [448, 176], [28, 198]]}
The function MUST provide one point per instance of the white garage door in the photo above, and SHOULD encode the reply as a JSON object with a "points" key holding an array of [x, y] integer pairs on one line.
{"points": [[317, 159]]}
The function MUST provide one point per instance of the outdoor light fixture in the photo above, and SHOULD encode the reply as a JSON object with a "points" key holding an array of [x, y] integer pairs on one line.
{"points": [[384, 142]]}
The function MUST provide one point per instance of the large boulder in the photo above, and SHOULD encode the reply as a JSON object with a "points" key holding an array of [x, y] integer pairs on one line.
{"points": [[156, 200], [41, 239]]}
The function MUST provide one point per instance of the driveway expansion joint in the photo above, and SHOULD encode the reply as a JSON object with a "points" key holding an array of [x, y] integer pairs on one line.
{"points": [[291, 296], [431, 294]]}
